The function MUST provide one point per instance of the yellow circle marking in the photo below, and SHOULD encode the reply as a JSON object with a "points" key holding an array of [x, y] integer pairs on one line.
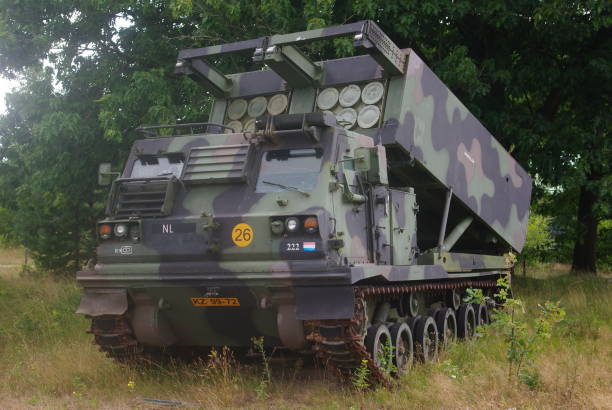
{"points": [[242, 234]]}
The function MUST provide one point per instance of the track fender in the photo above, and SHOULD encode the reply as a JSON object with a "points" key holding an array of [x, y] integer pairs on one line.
{"points": [[100, 302]]}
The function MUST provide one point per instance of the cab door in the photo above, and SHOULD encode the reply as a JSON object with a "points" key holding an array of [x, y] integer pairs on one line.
{"points": [[403, 209], [381, 213]]}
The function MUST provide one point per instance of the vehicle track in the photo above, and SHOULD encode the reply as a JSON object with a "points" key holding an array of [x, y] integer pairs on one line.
{"points": [[339, 344]]}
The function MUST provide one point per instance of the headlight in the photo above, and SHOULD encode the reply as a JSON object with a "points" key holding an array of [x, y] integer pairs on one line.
{"points": [[292, 224], [121, 230]]}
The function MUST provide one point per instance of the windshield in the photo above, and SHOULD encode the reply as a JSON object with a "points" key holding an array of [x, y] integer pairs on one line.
{"points": [[289, 169], [153, 166]]}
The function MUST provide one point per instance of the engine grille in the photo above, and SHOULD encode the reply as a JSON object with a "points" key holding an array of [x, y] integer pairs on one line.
{"points": [[147, 197]]}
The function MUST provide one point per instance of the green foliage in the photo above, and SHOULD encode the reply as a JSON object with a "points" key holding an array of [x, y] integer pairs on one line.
{"points": [[604, 246], [475, 296], [385, 358], [537, 73], [50, 321], [360, 376], [522, 338], [539, 242], [266, 378], [53, 145], [7, 237], [530, 377], [573, 363]]}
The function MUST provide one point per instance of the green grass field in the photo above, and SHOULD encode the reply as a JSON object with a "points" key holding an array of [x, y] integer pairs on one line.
{"points": [[47, 361]]}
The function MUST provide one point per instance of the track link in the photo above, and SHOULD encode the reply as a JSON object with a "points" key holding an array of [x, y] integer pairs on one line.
{"points": [[340, 343], [114, 336]]}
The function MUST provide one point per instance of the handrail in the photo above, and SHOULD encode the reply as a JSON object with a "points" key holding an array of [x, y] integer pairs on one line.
{"points": [[191, 125]]}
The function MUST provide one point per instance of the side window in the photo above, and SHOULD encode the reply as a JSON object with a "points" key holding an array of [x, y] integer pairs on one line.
{"points": [[150, 166]]}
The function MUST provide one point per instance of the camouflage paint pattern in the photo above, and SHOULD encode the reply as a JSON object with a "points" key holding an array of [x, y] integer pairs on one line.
{"points": [[370, 224], [438, 131]]}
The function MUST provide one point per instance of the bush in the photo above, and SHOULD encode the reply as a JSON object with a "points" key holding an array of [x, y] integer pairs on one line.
{"points": [[7, 238], [539, 244], [604, 245]]}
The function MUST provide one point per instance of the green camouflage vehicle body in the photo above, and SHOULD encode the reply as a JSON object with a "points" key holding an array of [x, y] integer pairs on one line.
{"points": [[413, 191]]}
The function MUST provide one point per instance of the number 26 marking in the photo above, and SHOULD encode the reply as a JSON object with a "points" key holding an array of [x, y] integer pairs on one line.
{"points": [[242, 235]]}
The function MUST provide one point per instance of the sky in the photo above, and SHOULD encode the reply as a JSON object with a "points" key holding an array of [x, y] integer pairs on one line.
{"points": [[5, 87]]}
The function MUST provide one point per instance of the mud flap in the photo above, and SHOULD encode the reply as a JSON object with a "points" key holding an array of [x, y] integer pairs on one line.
{"points": [[318, 303], [100, 302]]}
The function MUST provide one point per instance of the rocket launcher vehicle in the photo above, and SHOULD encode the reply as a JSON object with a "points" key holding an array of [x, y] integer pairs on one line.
{"points": [[328, 207]]}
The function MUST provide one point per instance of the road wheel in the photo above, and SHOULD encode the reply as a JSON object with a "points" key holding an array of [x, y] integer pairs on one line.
{"points": [[453, 298], [446, 321], [482, 314], [412, 323], [403, 352], [377, 338], [426, 340], [466, 321], [434, 312]]}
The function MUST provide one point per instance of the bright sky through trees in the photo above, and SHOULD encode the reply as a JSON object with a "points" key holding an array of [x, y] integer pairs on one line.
{"points": [[5, 87]]}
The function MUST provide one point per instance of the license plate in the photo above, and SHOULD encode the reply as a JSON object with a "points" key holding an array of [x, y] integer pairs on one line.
{"points": [[201, 302]]}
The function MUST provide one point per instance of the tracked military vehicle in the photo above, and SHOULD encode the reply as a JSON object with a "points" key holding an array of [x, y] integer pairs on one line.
{"points": [[328, 207]]}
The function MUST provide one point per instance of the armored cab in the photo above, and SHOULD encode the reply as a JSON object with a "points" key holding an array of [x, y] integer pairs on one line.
{"points": [[329, 207]]}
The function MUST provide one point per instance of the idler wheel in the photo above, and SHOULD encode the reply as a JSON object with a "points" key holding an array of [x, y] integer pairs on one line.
{"points": [[376, 340], [403, 352], [466, 321], [482, 314], [426, 338], [446, 321]]}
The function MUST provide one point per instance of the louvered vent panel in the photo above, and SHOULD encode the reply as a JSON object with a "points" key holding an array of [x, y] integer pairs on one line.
{"points": [[216, 164], [143, 198]]}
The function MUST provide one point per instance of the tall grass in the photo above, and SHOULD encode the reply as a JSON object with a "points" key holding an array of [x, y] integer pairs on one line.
{"points": [[47, 360]]}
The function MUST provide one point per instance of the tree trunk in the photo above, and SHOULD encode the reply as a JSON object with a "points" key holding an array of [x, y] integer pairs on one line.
{"points": [[585, 259]]}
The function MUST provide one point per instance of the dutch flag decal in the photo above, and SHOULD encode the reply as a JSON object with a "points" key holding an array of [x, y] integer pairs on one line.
{"points": [[309, 246]]}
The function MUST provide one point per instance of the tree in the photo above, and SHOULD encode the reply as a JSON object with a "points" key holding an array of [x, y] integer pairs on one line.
{"points": [[537, 73], [53, 144]]}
